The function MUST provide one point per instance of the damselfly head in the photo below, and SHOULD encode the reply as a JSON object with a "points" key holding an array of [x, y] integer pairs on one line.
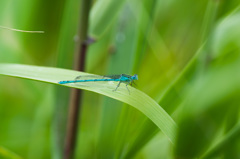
{"points": [[135, 77]]}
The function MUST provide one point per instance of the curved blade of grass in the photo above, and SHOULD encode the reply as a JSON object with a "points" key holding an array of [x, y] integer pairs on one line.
{"points": [[136, 98]]}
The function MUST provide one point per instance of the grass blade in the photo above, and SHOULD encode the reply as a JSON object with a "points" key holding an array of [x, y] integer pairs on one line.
{"points": [[137, 99]]}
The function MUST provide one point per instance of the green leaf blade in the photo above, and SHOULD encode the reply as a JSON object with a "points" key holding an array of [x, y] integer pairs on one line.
{"points": [[136, 98]]}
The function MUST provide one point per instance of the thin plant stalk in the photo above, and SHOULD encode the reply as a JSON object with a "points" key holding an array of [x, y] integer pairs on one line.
{"points": [[76, 94]]}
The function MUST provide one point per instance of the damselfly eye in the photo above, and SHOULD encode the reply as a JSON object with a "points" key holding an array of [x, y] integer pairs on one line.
{"points": [[135, 77]]}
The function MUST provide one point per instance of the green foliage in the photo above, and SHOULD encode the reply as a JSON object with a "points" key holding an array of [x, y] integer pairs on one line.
{"points": [[4, 153], [186, 54]]}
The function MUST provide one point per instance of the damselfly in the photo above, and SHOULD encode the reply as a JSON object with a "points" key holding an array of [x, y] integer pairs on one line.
{"points": [[123, 78]]}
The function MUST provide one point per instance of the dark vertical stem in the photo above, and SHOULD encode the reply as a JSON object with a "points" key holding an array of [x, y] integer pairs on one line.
{"points": [[76, 94]]}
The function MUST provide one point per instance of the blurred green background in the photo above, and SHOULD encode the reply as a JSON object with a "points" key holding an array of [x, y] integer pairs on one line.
{"points": [[185, 52]]}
